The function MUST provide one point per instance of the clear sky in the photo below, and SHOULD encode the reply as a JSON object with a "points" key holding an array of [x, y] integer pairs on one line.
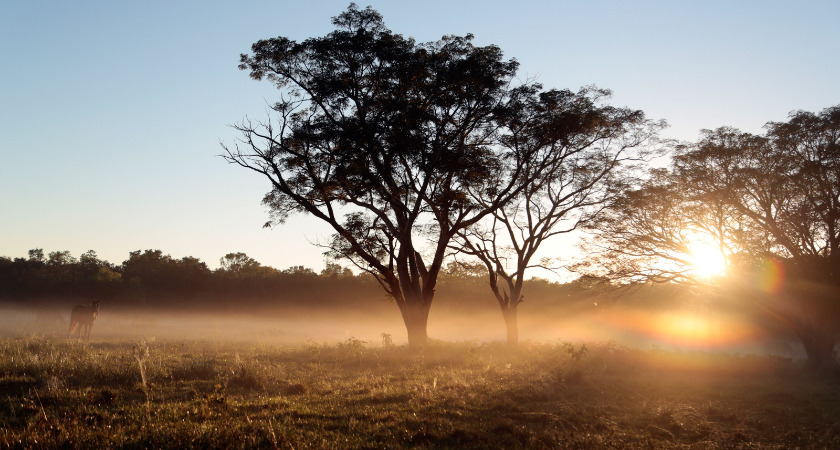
{"points": [[111, 112]]}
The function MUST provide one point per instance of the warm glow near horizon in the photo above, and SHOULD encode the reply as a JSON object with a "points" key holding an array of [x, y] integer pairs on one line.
{"points": [[708, 260]]}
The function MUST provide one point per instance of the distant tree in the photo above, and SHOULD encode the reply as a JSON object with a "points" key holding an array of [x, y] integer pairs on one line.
{"points": [[300, 270], [769, 205], [106, 275], [336, 270], [56, 278], [164, 277], [89, 258], [36, 254], [379, 137], [60, 258], [145, 264], [6, 270], [237, 262], [589, 143]]}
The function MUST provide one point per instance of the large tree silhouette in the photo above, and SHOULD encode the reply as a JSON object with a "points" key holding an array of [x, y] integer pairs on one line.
{"points": [[383, 138]]}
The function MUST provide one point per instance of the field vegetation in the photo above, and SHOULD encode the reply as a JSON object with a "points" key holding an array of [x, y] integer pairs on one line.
{"points": [[353, 394]]}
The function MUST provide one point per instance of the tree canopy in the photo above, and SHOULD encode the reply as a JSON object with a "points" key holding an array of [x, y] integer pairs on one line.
{"points": [[382, 138], [592, 146], [769, 205]]}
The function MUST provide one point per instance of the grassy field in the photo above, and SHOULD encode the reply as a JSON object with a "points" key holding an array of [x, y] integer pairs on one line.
{"points": [[64, 394]]}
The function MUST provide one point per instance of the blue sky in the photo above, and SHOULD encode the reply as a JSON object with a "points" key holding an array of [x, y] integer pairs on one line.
{"points": [[111, 113]]}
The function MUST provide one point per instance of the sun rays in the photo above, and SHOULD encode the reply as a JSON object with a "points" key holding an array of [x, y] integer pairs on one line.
{"points": [[707, 260]]}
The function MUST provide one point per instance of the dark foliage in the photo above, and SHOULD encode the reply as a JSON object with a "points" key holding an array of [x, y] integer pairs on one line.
{"points": [[382, 137], [152, 279], [767, 204]]}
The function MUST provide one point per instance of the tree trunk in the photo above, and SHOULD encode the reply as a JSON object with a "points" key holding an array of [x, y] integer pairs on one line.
{"points": [[819, 347], [416, 319], [512, 326], [417, 336], [816, 323]]}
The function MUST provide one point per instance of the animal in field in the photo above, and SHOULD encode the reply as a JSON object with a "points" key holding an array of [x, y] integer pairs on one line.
{"points": [[83, 316]]}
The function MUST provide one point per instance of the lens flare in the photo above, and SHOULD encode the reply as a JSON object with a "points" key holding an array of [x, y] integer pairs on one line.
{"points": [[688, 330], [771, 276]]}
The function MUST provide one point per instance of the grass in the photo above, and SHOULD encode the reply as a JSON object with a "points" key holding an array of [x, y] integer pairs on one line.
{"points": [[63, 394]]}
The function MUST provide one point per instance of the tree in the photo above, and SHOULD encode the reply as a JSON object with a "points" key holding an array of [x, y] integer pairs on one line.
{"points": [[90, 258], [379, 137], [238, 263], [657, 233], [164, 277], [36, 254], [300, 271], [335, 270], [588, 142], [60, 258], [769, 204]]}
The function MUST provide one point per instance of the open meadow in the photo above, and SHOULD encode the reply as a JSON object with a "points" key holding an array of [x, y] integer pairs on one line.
{"points": [[353, 394], [426, 225]]}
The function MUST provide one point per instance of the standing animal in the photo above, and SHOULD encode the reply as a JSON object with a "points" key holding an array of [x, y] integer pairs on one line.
{"points": [[83, 316]]}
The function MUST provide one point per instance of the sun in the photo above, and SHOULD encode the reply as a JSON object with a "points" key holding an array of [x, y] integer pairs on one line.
{"points": [[707, 260]]}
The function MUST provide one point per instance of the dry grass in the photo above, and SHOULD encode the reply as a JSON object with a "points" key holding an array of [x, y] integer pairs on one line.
{"points": [[60, 394]]}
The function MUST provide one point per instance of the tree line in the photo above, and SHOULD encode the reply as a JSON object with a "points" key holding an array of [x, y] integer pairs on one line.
{"points": [[151, 280]]}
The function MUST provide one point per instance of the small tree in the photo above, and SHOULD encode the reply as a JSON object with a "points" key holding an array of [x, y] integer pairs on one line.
{"points": [[588, 142], [380, 137]]}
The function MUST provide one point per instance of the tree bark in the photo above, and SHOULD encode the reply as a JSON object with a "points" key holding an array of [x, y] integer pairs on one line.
{"points": [[820, 349], [417, 335], [416, 319], [819, 346], [512, 326], [814, 316]]}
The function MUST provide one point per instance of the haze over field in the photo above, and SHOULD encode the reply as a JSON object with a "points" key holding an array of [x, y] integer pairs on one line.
{"points": [[639, 321], [472, 224]]}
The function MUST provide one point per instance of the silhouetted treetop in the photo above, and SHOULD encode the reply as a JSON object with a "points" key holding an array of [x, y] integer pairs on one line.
{"points": [[758, 201], [381, 137]]}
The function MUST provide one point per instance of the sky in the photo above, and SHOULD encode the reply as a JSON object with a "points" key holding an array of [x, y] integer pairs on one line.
{"points": [[112, 113]]}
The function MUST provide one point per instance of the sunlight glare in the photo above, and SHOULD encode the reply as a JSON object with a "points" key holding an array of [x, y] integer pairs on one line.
{"points": [[708, 260]]}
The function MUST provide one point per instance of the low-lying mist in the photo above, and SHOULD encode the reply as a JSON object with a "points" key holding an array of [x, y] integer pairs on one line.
{"points": [[589, 319]]}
